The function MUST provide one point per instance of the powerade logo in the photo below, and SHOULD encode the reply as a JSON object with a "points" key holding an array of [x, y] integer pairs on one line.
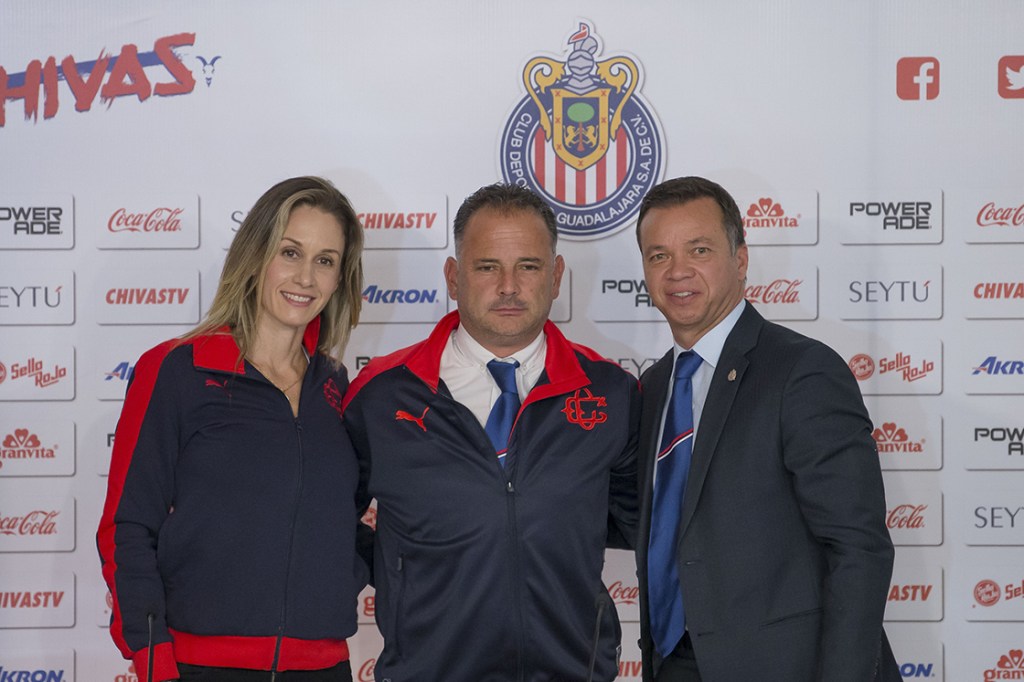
{"points": [[125, 76], [583, 138]]}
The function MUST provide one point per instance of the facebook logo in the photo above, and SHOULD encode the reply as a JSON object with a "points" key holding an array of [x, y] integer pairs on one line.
{"points": [[917, 78]]}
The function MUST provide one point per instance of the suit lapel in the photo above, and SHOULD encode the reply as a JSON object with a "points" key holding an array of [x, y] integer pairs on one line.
{"points": [[728, 377]]}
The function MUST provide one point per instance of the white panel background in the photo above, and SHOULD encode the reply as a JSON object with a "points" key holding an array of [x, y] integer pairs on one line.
{"points": [[402, 105]]}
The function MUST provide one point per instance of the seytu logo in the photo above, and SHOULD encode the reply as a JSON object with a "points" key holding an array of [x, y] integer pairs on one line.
{"points": [[583, 138]]}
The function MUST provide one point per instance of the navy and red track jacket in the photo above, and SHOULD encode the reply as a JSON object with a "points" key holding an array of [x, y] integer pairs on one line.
{"points": [[485, 573], [227, 518]]}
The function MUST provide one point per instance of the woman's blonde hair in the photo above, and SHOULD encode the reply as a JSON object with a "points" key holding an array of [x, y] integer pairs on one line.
{"points": [[237, 301]]}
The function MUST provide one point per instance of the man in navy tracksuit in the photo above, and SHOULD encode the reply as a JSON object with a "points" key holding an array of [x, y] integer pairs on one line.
{"points": [[495, 500]]}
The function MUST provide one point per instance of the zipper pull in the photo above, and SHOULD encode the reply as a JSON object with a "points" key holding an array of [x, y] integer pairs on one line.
{"points": [[509, 488]]}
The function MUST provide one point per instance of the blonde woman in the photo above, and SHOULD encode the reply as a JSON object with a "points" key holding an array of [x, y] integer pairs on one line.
{"points": [[228, 532]]}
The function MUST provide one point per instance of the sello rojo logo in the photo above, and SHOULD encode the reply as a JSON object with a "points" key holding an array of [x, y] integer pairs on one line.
{"points": [[583, 138]]}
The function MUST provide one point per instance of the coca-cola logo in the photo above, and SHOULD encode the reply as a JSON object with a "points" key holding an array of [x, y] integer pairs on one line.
{"points": [[990, 215], [987, 592], [161, 219], [36, 522], [777, 291], [366, 670], [622, 594], [906, 516], [862, 366]]}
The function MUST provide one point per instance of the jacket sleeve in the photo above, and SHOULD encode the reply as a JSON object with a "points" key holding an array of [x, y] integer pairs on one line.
{"points": [[355, 424], [139, 498], [837, 478], [623, 502]]}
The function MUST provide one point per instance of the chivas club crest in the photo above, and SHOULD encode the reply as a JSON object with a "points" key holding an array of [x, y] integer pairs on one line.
{"points": [[582, 409], [583, 138]]}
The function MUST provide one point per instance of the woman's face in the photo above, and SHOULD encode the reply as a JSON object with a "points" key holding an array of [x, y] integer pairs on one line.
{"points": [[305, 270]]}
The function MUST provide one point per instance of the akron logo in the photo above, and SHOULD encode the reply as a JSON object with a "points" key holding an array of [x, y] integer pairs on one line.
{"points": [[583, 138]]}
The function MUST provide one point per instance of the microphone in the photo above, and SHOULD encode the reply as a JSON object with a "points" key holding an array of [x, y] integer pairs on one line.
{"points": [[601, 601], [149, 662]]}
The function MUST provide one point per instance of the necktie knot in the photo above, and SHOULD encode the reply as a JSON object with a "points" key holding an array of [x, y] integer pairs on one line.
{"points": [[687, 364], [504, 374]]}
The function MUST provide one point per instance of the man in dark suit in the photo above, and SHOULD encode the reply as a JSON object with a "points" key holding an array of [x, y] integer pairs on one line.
{"points": [[763, 551]]}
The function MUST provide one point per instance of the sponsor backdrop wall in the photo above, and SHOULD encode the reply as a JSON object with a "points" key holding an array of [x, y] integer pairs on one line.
{"points": [[874, 149]]}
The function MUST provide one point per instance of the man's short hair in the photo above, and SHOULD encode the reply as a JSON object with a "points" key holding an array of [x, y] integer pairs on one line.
{"points": [[506, 199], [678, 191]]}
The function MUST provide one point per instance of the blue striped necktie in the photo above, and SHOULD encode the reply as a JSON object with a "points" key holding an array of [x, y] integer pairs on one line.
{"points": [[506, 407], [668, 621]]}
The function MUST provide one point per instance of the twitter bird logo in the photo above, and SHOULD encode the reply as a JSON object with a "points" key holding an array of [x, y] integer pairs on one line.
{"points": [[1016, 78], [1011, 77]]}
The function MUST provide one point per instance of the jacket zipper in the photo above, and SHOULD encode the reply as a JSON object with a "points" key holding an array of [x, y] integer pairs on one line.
{"points": [[291, 542], [510, 491]]}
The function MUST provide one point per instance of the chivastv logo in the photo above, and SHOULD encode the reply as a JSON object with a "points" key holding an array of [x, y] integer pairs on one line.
{"points": [[998, 290], [583, 137], [910, 592], [397, 221], [127, 78]]}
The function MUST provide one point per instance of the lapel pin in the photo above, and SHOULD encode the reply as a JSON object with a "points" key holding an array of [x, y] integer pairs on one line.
{"points": [[732, 375]]}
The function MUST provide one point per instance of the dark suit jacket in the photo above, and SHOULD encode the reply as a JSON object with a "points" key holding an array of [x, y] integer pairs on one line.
{"points": [[784, 556]]}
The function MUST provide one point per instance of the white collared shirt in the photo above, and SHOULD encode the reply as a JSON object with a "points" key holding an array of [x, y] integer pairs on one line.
{"points": [[709, 348], [464, 371]]}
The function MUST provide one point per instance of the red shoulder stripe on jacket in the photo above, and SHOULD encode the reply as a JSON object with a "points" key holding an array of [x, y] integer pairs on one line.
{"points": [[128, 427], [423, 359]]}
